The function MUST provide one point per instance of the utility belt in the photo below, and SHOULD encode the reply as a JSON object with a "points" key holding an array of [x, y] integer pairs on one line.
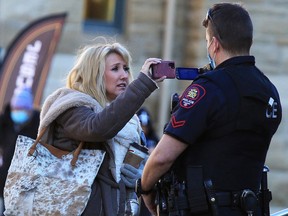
{"points": [[234, 199], [196, 196]]}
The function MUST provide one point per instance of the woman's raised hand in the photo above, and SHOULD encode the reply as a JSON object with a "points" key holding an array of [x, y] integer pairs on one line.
{"points": [[146, 68]]}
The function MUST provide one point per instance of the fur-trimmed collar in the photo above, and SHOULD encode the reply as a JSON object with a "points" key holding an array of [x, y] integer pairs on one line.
{"points": [[61, 100]]}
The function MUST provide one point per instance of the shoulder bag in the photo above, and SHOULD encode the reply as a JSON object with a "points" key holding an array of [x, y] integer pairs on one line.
{"points": [[44, 180]]}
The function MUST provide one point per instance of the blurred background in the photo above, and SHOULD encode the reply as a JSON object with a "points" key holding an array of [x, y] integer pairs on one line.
{"points": [[171, 30]]}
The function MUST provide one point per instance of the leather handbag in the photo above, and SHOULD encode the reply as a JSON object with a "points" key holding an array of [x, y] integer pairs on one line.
{"points": [[44, 180]]}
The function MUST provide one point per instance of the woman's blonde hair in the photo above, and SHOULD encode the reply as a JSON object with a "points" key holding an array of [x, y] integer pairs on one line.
{"points": [[87, 75]]}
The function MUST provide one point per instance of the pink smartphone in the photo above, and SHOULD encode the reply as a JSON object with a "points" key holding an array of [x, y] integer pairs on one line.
{"points": [[165, 68]]}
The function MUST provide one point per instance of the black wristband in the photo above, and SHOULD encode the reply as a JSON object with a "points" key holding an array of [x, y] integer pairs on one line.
{"points": [[139, 190]]}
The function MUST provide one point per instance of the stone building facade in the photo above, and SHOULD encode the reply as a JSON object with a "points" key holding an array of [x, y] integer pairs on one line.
{"points": [[150, 29]]}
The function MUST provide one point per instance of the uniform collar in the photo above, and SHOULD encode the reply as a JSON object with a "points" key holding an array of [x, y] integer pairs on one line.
{"points": [[247, 60]]}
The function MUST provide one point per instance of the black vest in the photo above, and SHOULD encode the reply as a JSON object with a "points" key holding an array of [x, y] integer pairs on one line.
{"points": [[233, 153]]}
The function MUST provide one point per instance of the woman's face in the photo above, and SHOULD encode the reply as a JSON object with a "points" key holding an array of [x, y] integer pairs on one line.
{"points": [[116, 75]]}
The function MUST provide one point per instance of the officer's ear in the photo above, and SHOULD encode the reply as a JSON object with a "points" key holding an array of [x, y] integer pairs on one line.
{"points": [[216, 44]]}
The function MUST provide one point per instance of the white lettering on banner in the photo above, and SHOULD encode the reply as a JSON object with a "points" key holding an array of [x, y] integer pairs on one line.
{"points": [[27, 69], [271, 112]]}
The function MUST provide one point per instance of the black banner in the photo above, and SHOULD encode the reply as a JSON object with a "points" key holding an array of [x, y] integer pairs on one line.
{"points": [[28, 58]]}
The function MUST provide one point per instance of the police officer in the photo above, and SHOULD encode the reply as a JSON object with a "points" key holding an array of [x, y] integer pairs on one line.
{"points": [[219, 133]]}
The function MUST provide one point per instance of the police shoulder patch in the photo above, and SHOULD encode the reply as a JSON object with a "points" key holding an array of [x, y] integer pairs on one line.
{"points": [[192, 95]]}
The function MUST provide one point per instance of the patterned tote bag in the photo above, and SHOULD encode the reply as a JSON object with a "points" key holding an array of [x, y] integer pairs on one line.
{"points": [[43, 180]]}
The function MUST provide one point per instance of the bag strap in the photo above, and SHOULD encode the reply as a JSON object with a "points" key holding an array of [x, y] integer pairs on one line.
{"points": [[33, 147], [76, 153], [55, 151]]}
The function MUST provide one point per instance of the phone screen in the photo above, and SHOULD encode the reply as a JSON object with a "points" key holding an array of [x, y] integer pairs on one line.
{"points": [[183, 73]]}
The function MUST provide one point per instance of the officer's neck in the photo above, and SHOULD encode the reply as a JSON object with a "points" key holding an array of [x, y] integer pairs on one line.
{"points": [[223, 55]]}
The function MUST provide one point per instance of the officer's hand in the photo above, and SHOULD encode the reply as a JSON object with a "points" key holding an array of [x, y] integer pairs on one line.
{"points": [[129, 175], [149, 200]]}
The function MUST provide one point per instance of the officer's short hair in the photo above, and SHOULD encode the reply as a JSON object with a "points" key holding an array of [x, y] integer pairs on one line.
{"points": [[231, 24]]}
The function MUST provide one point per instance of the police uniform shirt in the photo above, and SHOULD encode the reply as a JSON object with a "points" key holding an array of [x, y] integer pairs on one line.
{"points": [[203, 117]]}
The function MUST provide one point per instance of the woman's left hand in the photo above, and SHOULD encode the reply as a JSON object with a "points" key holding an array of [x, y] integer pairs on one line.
{"points": [[129, 175]]}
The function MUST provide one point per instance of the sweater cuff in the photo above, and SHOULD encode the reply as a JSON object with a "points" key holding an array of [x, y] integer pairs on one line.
{"points": [[148, 81]]}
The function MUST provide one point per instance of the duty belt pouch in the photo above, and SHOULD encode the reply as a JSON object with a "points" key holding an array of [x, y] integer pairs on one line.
{"points": [[196, 191]]}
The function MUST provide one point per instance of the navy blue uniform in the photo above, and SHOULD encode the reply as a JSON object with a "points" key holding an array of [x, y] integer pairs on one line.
{"points": [[227, 117]]}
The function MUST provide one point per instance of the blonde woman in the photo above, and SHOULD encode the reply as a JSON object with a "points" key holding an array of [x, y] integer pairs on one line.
{"points": [[98, 106]]}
